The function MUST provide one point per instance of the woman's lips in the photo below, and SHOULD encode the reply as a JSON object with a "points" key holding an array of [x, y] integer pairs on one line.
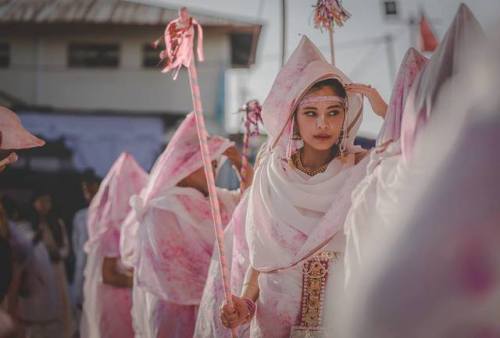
{"points": [[322, 137]]}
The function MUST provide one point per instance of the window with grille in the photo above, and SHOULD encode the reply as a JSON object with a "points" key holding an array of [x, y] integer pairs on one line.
{"points": [[93, 55], [150, 56], [391, 8], [241, 49]]}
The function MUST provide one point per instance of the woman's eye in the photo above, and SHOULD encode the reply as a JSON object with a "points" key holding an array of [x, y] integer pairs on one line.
{"points": [[310, 113], [334, 113]]}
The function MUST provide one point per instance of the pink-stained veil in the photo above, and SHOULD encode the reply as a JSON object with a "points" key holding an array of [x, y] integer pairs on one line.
{"points": [[438, 272], [385, 171], [106, 309], [174, 232]]}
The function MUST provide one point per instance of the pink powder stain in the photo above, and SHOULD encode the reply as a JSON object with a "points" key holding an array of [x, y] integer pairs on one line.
{"points": [[488, 332], [476, 271]]}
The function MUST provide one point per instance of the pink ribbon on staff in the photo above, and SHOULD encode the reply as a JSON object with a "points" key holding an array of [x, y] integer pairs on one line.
{"points": [[328, 12], [179, 43], [253, 116]]}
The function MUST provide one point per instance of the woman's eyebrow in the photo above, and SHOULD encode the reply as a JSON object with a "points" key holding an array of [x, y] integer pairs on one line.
{"points": [[309, 108], [334, 106]]}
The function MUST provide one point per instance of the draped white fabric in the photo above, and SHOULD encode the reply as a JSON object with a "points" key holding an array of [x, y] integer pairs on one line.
{"points": [[298, 215], [376, 195], [434, 270], [174, 237], [438, 272]]}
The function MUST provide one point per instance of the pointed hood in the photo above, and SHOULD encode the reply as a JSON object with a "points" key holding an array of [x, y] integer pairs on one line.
{"points": [[463, 33], [413, 63], [181, 158], [110, 205], [305, 67], [12, 133]]}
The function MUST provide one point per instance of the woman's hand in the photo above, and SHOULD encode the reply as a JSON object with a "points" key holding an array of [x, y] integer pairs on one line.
{"points": [[236, 159], [50, 243], [247, 177], [234, 156], [115, 274], [233, 315], [378, 104]]}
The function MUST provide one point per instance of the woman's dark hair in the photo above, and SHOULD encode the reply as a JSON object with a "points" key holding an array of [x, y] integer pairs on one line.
{"points": [[335, 84], [12, 209], [89, 176], [52, 221]]}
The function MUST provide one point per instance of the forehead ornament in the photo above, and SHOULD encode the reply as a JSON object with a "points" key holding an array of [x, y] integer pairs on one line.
{"points": [[318, 99]]}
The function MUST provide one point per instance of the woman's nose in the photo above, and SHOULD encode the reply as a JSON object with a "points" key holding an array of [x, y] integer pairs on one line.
{"points": [[320, 122]]}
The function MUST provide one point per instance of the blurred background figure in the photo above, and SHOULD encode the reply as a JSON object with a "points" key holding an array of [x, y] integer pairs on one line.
{"points": [[90, 185], [108, 284], [6, 323], [50, 230]]}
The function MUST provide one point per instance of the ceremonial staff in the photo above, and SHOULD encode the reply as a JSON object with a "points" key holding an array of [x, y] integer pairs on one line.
{"points": [[179, 43]]}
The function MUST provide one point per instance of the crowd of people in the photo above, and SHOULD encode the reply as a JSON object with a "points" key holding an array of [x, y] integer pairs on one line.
{"points": [[322, 238]]}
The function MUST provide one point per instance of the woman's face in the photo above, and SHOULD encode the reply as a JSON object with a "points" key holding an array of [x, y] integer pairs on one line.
{"points": [[197, 179], [184, 14], [43, 205], [89, 190], [319, 119]]}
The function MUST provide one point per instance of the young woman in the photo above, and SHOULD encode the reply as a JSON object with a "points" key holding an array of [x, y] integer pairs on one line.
{"points": [[299, 198], [175, 235], [51, 231], [108, 296], [90, 184]]}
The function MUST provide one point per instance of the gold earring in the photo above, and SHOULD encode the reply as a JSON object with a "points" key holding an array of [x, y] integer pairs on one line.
{"points": [[340, 143], [296, 136]]}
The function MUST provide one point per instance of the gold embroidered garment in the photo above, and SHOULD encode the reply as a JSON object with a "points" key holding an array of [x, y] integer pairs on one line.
{"points": [[314, 278]]}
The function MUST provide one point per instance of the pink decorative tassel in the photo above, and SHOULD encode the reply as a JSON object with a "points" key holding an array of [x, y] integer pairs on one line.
{"points": [[326, 14], [330, 12], [253, 117]]}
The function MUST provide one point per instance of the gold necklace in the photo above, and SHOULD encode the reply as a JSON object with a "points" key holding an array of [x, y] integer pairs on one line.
{"points": [[297, 161]]}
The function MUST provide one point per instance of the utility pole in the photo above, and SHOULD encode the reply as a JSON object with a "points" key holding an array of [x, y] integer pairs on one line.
{"points": [[391, 56], [412, 26], [283, 31]]}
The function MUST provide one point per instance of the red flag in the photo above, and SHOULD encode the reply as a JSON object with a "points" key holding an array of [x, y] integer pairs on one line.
{"points": [[428, 41]]}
